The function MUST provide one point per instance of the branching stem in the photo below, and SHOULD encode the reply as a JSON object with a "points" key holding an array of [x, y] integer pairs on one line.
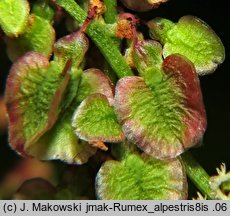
{"points": [[98, 32]]}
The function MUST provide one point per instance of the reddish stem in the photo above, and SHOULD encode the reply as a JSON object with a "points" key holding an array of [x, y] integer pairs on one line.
{"points": [[91, 14]]}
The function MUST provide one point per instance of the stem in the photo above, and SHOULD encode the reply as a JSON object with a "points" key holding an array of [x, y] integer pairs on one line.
{"points": [[110, 17], [98, 32], [111, 11], [73, 9], [198, 175]]}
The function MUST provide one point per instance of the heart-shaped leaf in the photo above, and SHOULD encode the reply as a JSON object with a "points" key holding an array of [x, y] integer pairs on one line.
{"points": [[34, 91], [192, 38], [39, 36], [142, 5], [166, 117], [95, 120], [140, 177], [13, 16]]}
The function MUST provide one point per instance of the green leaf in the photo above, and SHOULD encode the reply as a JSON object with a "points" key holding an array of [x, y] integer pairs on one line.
{"points": [[13, 16], [140, 177], [95, 120], [166, 117], [34, 91], [192, 38], [39, 36]]}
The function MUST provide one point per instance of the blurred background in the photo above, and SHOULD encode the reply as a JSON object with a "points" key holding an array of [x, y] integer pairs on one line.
{"points": [[215, 87]]}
